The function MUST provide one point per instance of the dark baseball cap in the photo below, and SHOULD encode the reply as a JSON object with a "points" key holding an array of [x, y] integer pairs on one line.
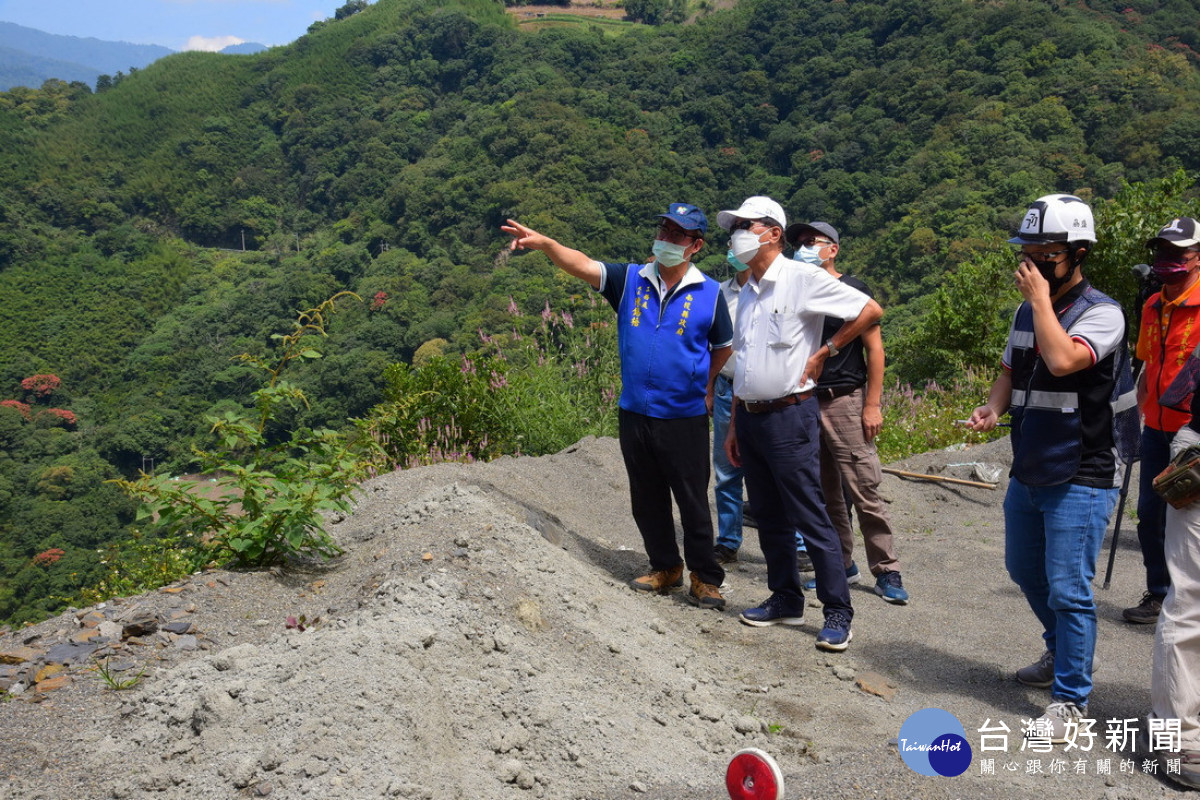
{"points": [[1181, 232], [794, 232]]}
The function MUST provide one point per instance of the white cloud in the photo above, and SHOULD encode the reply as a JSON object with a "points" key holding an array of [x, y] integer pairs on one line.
{"points": [[211, 43]]}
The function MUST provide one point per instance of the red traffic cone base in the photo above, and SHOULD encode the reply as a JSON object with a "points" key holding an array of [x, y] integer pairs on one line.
{"points": [[753, 775]]}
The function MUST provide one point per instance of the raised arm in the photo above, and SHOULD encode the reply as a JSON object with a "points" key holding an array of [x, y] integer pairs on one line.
{"points": [[1061, 354], [851, 329], [570, 261]]}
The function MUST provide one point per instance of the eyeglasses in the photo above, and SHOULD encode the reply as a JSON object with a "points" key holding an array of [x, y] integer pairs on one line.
{"points": [[809, 241], [675, 234], [1052, 255], [746, 224]]}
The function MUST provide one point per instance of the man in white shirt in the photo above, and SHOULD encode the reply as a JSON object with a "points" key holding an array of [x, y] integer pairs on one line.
{"points": [[775, 432]]}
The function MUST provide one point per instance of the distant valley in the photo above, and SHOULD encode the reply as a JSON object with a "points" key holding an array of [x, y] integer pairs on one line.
{"points": [[29, 57]]}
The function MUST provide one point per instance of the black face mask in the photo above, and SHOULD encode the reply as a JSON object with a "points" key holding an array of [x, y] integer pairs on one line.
{"points": [[1047, 269]]}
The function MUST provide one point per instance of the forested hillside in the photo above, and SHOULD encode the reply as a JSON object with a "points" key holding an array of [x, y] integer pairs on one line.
{"points": [[159, 225]]}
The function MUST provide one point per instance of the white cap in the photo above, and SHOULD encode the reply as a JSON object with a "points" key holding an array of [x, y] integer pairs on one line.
{"points": [[757, 207]]}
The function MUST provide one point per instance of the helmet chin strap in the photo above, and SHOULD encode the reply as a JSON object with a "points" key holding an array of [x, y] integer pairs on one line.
{"points": [[1058, 283]]}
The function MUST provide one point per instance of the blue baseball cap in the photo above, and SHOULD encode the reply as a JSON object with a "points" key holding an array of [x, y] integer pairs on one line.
{"points": [[687, 217]]}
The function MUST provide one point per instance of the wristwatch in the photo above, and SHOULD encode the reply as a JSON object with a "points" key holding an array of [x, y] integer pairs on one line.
{"points": [[833, 351]]}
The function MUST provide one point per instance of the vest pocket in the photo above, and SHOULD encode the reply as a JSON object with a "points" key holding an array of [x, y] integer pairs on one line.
{"points": [[1054, 449]]}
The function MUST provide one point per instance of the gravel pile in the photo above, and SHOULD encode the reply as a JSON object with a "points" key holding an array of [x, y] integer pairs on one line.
{"points": [[478, 641]]}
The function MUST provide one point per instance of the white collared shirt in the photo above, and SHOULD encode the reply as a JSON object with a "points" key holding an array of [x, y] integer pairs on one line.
{"points": [[779, 323], [731, 289]]}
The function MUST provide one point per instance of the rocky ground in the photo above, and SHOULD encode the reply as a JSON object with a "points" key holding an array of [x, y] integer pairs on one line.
{"points": [[478, 641]]}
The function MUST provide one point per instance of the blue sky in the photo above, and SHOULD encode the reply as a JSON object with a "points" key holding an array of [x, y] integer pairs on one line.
{"points": [[177, 24]]}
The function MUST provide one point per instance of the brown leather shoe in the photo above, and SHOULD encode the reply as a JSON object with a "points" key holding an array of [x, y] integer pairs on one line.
{"points": [[705, 595], [660, 580]]}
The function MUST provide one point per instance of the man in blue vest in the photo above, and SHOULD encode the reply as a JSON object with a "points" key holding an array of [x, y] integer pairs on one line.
{"points": [[1066, 352], [674, 334]]}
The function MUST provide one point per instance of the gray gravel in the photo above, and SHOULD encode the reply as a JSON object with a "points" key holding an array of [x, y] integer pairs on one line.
{"points": [[478, 641]]}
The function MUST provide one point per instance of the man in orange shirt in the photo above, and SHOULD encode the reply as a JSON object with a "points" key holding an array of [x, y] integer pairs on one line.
{"points": [[1170, 331]]}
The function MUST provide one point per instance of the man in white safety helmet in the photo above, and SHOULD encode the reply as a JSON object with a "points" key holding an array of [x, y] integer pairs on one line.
{"points": [[1065, 362]]}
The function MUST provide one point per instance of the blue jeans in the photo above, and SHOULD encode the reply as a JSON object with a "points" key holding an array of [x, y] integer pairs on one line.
{"points": [[727, 479], [727, 485], [1052, 537], [1152, 509]]}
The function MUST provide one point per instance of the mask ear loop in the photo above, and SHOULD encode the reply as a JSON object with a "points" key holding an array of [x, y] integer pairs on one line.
{"points": [[1076, 258]]}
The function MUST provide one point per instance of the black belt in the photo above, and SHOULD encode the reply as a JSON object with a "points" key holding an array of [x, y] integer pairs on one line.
{"points": [[763, 406], [835, 392]]}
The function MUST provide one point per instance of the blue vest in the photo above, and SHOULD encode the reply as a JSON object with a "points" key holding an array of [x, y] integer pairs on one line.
{"points": [[1070, 428], [664, 348]]}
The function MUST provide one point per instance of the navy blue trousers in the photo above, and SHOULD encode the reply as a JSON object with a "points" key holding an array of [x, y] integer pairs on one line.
{"points": [[781, 458], [1152, 509]]}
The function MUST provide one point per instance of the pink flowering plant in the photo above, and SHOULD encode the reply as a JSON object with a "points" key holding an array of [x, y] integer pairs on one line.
{"points": [[539, 386], [41, 386], [56, 418], [17, 405], [48, 557], [924, 419]]}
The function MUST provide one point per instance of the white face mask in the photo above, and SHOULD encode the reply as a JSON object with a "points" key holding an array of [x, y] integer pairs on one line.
{"points": [[810, 254], [744, 245]]}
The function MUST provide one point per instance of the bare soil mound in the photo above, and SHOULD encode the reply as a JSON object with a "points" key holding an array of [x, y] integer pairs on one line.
{"points": [[478, 641]]}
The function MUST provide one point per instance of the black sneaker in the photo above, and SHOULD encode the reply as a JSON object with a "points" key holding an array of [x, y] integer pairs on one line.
{"points": [[1039, 674], [725, 555], [1145, 612], [804, 561]]}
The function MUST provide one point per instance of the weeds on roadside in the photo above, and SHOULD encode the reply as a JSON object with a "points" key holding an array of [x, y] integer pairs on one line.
{"points": [[534, 390], [920, 420], [105, 674], [300, 623], [141, 563]]}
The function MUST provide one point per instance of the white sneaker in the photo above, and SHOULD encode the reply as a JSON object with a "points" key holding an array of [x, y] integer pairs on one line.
{"points": [[1053, 725]]}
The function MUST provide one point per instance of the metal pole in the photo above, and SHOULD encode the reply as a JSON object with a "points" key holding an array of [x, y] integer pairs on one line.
{"points": [[1112, 548]]}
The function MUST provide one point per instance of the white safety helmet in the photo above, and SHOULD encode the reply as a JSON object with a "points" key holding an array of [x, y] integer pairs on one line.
{"points": [[1056, 218]]}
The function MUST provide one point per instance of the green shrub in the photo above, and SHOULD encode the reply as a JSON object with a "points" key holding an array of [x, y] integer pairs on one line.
{"points": [[141, 563], [917, 421], [530, 393], [270, 486]]}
